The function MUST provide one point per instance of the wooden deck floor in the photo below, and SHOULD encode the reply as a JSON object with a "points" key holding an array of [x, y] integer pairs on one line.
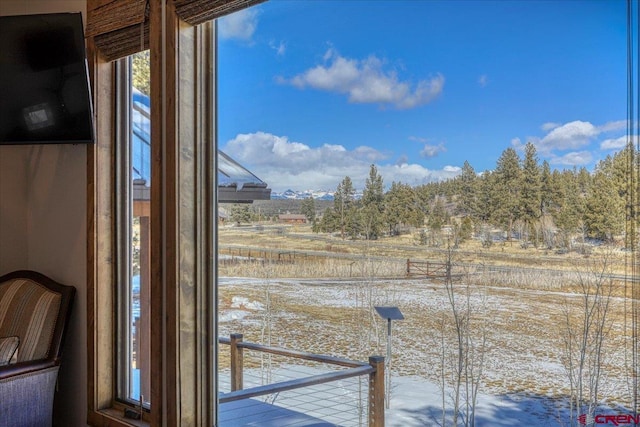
{"points": [[254, 413]]}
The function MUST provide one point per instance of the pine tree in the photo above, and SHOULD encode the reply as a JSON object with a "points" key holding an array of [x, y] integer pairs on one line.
{"points": [[468, 190], [530, 199], [466, 229], [401, 207], [486, 197], [624, 161], [329, 222], [240, 214], [343, 204], [141, 72], [508, 190], [627, 181], [584, 179], [570, 204], [308, 209], [372, 205], [551, 194], [438, 216], [604, 214]]}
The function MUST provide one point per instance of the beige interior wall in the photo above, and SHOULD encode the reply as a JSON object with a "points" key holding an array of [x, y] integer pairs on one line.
{"points": [[43, 227], [13, 209], [57, 240], [27, 7]]}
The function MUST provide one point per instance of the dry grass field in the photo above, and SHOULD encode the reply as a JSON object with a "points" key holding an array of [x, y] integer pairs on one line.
{"points": [[300, 239], [288, 287]]}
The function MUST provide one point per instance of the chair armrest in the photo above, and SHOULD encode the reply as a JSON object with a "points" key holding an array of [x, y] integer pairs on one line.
{"points": [[20, 368], [27, 396]]}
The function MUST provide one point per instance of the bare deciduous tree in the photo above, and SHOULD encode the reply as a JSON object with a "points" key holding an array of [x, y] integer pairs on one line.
{"points": [[583, 333], [463, 340]]}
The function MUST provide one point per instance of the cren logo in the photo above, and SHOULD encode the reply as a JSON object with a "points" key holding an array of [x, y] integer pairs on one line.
{"points": [[586, 420], [616, 420]]}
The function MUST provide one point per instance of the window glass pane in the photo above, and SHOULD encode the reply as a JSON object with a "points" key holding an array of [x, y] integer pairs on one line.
{"points": [[140, 231], [135, 201], [436, 157]]}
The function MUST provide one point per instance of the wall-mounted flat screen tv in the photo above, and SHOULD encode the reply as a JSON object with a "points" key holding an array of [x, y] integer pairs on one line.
{"points": [[45, 95]]}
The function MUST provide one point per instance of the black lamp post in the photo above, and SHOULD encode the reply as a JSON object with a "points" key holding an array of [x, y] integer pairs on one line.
{"points": [[389, 313]]}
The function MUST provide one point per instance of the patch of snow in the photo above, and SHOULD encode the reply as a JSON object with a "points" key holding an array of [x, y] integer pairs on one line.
{"points": [[526, 380], [230, 315], [240, 302]]}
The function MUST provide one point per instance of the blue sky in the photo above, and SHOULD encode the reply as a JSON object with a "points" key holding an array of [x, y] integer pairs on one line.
{"points": [[312, 91]]}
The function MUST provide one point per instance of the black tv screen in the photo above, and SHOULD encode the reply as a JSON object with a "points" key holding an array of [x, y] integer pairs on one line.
{"points": [[45, 95]]}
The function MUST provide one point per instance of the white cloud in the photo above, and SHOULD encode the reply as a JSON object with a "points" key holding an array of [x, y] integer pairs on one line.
{"points": [[430, 151], [516, 143], [575, 143], [369, 154], [402, 160], [569, 136], [412, 174], [550, 126], [614, 144], [452, 169], [483, 80], [366, 81], [575, 158], [284, 164], [280, 48], [614, 126], [576, 134], [240, 25], [618, 143], [418, 139]]}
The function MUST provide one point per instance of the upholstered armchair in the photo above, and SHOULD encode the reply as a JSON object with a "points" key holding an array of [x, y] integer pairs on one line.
{"points": [[34, 313]]}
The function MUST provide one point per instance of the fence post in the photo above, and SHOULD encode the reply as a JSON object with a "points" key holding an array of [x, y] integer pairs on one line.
{"points": [[376, 392], [236, 362]]}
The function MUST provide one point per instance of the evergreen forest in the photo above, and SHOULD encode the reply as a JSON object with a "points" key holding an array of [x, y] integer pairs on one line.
{"points": [[520, 198]]}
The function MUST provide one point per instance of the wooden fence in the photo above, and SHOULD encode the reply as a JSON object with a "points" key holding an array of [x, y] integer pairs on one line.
{"points": [[428, 269], [235, 256]]}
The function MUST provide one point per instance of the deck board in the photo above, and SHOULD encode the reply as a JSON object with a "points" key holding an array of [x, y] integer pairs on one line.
{"points": [[254, 413]]}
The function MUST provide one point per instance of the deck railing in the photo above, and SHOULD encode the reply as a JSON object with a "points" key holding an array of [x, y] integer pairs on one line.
{"points": [[374, 369]]}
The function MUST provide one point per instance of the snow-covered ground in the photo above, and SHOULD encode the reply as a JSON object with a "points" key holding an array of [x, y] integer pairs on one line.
{"points": [[418, 403], [414, 403], [524, 380]]}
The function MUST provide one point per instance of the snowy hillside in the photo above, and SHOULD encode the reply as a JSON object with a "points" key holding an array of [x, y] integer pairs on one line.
{"points": [[301, 195]]}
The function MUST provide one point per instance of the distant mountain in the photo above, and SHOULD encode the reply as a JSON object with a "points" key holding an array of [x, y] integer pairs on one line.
{"points": [[301, 195]]}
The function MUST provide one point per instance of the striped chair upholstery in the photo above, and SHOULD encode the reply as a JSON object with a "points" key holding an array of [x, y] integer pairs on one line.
{"points": [[29, 311], [35, 309]]}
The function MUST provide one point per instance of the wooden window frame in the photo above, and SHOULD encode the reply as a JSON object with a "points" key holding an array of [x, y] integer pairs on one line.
{"points": [[183, 293]]}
